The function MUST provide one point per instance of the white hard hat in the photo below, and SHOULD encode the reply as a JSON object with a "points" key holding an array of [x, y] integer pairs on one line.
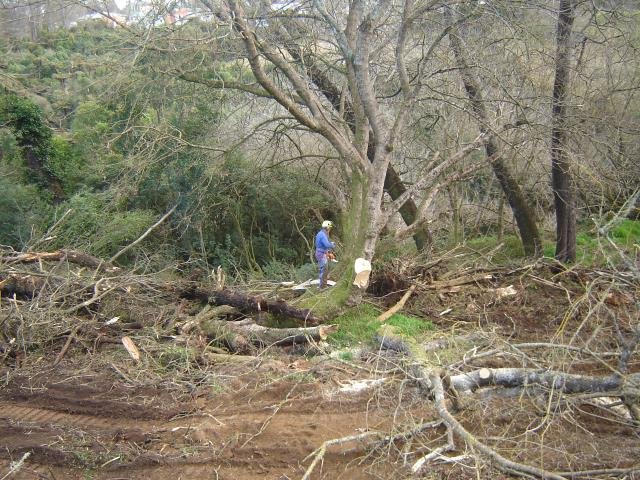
{"points": [[327, 224]]}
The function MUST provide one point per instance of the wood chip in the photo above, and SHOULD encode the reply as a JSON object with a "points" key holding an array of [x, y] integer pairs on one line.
{"points": [[131, 348]]}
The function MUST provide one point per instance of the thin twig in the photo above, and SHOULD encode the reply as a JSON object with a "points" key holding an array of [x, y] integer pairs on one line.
{"points": [[143, 236]]}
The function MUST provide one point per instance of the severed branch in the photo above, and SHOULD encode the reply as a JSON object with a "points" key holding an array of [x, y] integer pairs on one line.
{"points": [[241, 335], [66, 346], [71, 256], [318, 453], [249, 304], [431, 382], [97, 295], [558, 381], [460, 280], [144, 235], [398, 306], [501, 462]]}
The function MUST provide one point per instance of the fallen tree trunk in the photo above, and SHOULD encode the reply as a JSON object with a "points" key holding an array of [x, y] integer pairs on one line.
{"points": [[510, 377], [552, 380], [435, 383], [243, 335], [72, 256], [28, 286], [250, 304]]}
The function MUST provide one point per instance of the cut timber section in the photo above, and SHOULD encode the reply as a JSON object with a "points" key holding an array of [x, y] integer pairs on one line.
{"points": [[240, 336], [250, 304], [71, 256], [398, 306], [20, 285]]}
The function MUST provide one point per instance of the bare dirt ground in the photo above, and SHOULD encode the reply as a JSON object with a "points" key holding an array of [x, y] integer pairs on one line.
{"points": [[99, 415]]}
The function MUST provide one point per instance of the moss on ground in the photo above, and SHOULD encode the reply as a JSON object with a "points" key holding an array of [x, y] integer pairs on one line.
{"points": [[359, 325]]}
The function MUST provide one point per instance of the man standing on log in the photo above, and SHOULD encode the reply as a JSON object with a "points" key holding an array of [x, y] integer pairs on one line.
{"points": [[323, 251]]}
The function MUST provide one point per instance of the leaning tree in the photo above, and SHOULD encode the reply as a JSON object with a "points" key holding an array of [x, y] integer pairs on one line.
{"points": [[350, 78]]}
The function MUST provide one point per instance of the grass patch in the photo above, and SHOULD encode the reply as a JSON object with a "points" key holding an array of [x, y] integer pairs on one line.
{"points": [[410, 326], [592, 248], [174, 357], [359, 325], [627, 234], [346, 355]]}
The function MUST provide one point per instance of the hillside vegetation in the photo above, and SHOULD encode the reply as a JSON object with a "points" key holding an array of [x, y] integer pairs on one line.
{"points": [[161, 185]]}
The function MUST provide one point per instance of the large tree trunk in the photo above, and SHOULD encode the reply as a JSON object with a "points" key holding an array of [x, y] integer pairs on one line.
{"points": [[64, 255], [393, 184], [563, 195], [522, 211], [250, 304]]}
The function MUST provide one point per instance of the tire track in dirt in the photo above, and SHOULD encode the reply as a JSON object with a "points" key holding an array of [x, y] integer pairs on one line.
{"points": [[244, 433], [42, 416]]}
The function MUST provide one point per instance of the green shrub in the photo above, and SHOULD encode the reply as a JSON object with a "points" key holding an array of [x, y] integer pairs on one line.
{"points": [[66, 164], [22, 212], [593, 248], [95, 226], [627, 233], [278, 271], [121, 229]]}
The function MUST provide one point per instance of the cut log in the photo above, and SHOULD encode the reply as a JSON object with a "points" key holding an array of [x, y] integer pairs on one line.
{"points": [[249, 304], [506, 377], [558, 381], [206, 314], [398, 306], [243, 335], [72, 256]]}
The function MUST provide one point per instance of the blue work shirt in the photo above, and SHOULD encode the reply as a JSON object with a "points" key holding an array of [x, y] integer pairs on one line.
{"points": [[322, 241]]}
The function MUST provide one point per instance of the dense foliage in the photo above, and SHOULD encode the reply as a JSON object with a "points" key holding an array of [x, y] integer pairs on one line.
{"points": [[82, 136]]}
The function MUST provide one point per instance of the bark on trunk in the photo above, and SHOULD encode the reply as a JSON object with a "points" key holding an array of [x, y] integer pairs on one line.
{"points": [[522, 211], [393, 184], [71, 256], [250, 304], [243, 335], [557, 381], [563, 195]]}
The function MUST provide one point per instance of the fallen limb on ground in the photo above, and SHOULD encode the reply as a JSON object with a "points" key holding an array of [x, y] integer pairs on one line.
{"points": [[250, 304], [240, 336], [552, 380], [71, 256], [29, 284], [460, 280], [398, 306], [436, 383]]}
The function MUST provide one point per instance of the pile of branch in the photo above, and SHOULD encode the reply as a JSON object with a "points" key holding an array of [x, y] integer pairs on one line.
{"points": [[439, 385], [67, 284]]}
